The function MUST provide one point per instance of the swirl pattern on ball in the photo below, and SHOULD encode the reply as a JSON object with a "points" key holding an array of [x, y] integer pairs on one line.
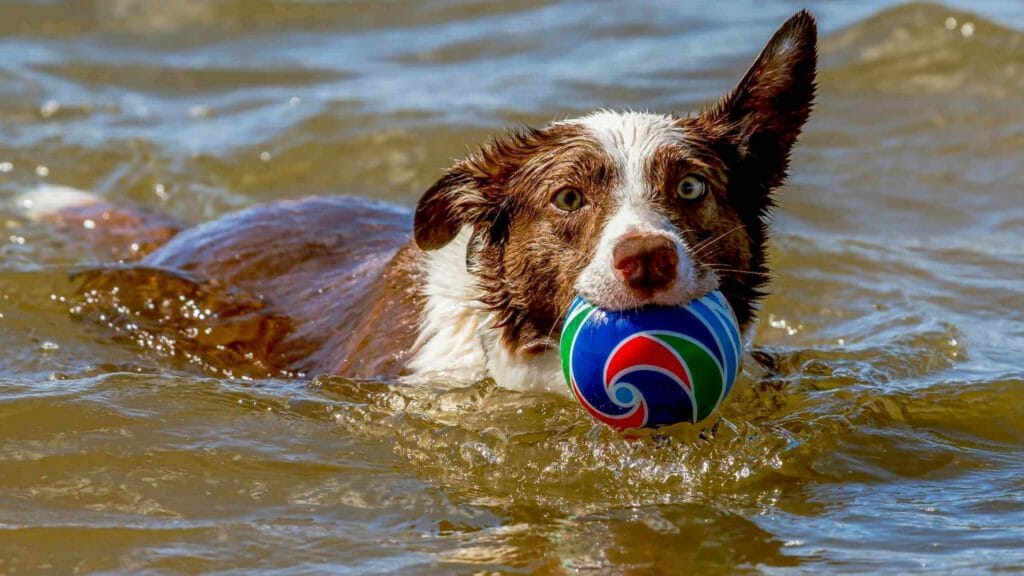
{"points": [[654, 366]]}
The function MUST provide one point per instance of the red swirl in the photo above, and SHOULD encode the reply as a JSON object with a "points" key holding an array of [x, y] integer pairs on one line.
{"points": [[643, 350]]}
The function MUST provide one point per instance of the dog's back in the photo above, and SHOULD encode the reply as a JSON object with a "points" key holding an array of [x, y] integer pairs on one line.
{"points": [[294, 287]]}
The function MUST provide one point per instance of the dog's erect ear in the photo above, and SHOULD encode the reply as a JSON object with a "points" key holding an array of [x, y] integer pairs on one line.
{"points": [[443, 209], [763, 115]]}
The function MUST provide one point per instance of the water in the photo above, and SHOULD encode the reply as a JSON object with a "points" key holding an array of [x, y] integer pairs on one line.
{"points": [[882, 431]]}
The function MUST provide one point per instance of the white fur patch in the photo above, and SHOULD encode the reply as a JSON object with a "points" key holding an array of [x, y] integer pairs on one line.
{"points": [[631, 139], [457, 339], [541, 373], [449, 338], [48, 199]]}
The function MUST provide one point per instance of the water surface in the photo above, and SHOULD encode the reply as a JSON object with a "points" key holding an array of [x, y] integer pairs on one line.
{"points": [[882, 430]]}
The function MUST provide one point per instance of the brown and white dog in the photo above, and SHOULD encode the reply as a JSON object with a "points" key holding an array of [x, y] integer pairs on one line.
{"points": [[626, 209]]}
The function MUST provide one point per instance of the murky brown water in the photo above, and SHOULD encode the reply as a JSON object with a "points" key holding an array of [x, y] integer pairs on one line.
{"points": [[887, 435]]}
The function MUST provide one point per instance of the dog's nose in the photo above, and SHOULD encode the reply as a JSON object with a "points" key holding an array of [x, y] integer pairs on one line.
{"points": [[646, 263]]}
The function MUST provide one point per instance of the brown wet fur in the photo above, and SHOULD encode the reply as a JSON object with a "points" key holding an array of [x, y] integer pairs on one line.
{"points": [[526, 253], [321, 285], [332, 284], [118, 232]]}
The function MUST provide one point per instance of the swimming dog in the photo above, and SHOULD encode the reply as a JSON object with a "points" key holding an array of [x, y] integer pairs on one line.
{"points": [[626, 209]]}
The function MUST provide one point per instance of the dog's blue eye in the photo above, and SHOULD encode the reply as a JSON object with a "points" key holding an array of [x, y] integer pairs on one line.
{"points": [[691, 188], [568, 199]]}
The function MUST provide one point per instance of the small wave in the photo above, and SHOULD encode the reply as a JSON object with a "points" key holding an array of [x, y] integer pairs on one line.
{"points": [[925, 48]]}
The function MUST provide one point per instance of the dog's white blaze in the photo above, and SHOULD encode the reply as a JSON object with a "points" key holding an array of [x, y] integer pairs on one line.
{"points": [[631, 139]]}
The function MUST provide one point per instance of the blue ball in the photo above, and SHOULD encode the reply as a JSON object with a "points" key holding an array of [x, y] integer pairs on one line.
{"points": [[652, 366]]}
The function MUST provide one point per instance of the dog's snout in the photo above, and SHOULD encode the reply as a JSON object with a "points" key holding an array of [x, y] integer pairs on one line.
{"points": [[645, 263]]}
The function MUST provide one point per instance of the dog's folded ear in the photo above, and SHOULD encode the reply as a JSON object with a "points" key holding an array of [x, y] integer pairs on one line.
{"points": [[762, 117], [472, 192], [443, 209]]}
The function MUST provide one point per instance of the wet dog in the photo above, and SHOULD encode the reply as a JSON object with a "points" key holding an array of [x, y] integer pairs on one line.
{"points": [[627, 209]]}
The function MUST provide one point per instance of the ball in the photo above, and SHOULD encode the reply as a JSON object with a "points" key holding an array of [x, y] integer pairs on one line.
{"points": [[651, 366]]}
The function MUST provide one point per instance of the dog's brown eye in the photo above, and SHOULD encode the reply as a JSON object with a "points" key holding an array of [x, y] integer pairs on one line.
{"points": [[568, 199], [691, 188]]}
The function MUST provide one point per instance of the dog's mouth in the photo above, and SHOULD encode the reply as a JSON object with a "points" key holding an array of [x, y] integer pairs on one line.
{"points": [[621, 296], [639, 300]]}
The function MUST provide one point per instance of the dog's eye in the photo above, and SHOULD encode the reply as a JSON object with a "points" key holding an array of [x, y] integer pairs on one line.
{"points": [[691, 188], [568, 199]]}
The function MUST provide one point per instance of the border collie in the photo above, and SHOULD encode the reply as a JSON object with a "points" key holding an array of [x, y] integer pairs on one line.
{"points": [[627, 209]]}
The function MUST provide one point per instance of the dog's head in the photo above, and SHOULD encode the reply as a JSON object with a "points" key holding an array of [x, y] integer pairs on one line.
{"points": [[628, 209]]}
